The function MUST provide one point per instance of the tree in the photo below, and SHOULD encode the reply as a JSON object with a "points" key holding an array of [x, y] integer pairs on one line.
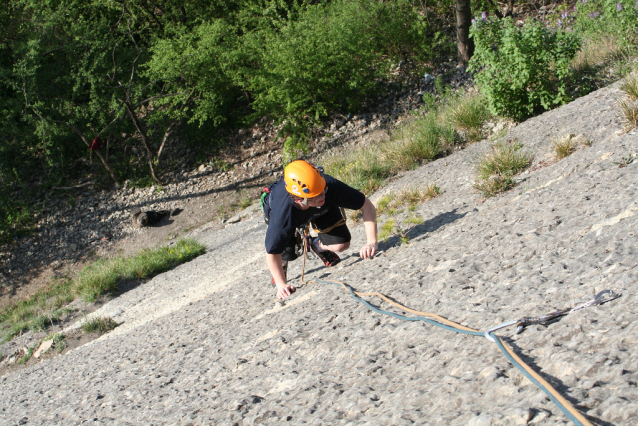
{"points": [[80, 70], [465, 44]]}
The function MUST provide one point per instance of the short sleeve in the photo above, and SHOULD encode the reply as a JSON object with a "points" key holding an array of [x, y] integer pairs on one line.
{"points": [[342, 195]]}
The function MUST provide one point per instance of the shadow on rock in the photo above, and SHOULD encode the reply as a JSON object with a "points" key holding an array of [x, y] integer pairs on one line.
{"points": [[556, 383], [426, 227]]}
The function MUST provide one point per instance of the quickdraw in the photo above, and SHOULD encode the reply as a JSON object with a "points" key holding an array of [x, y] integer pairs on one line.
{"points": [[601, 298]]}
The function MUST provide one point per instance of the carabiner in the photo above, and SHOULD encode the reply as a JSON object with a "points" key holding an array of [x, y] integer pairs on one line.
{"points": [[493, 329]]}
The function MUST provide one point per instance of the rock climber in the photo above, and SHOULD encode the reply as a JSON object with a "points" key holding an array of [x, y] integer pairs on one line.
{"points": [[306, 196]]}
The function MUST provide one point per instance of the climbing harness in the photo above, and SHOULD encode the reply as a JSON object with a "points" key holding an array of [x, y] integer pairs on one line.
{"points": [[341, 222], [574, 415]]}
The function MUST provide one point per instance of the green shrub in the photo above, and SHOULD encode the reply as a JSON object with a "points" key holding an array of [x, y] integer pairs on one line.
{"points": [[330, 56], [314, 64], [296, 144], [521, 70], [16, 218]]}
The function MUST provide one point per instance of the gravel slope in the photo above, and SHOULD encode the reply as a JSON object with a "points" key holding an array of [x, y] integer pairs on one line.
{"points": [[207, 343]]}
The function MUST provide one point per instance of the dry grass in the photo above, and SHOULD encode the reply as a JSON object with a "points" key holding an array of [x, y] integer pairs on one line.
{"points": [[596, 53], [417, 195], [497, 168], [426, 137], [467, 114], [99, 325], [629, 104], [630, 85], [564, 147], [629, 113]]}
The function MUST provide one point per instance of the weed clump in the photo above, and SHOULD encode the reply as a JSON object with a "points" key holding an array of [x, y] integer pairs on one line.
{"points": [[468, 114], [59, 341], [99, 325], [564, 147], [394, 205], [629, 104], [497, 168]]}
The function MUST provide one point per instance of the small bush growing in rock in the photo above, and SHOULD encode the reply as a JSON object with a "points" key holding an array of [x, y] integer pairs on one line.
{"points": [[629, 104], [564, 147], [27, 356], [395, 204], [497, 168], [59, 341], [99, 325], [468, 114]]}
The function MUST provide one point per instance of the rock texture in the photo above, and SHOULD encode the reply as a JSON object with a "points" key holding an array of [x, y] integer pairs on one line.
{"points": [[207, 343]]}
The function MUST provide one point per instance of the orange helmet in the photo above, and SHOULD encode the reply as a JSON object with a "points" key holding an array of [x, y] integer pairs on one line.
{"points": [[303, 179]]}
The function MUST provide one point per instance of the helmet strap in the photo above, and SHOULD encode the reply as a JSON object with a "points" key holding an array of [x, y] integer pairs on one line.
{"points": [[305, 202]]}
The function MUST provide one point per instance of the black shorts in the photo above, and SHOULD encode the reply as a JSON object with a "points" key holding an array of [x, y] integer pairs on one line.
{"points": [[338, 235]]}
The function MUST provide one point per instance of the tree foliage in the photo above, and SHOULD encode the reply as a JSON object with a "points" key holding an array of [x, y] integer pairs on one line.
{"points": [[132, 72], [521, 70]]}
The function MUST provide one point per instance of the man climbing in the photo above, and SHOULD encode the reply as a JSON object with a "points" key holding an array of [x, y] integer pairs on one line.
{"points": [[304, 196]]}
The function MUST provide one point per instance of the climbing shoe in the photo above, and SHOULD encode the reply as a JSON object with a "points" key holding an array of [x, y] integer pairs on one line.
{"points": [[285, 265], [329, 258]]}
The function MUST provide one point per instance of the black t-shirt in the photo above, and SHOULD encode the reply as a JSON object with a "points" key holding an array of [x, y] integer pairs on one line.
{"points": [[285, 216]]}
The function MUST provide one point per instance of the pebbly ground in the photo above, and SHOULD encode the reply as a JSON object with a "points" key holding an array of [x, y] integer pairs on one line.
{"points": [[207, 343]]}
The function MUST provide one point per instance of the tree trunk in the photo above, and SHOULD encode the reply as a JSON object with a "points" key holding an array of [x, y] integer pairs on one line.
{"points": [[510, 8], [464, 44], [167, 133], [145, 141]]}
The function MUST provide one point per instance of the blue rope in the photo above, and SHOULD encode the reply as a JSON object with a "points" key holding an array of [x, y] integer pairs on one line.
{"points": [[533, 380], [403, 317], [473, 333]]}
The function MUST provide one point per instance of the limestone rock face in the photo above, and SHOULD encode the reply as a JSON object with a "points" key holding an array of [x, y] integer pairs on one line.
{"points": [[208, 343]]}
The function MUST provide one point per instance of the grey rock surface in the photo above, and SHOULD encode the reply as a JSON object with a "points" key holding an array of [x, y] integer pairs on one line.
{"points": [[208, 343]]}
